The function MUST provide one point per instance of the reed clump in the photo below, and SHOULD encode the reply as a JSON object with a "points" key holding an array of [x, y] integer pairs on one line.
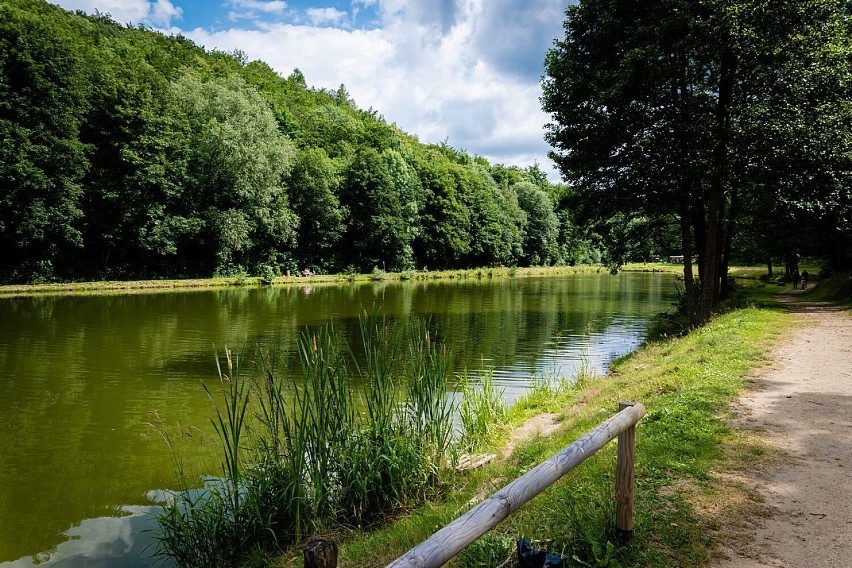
{"points": [[300, 456], [482, 411]]}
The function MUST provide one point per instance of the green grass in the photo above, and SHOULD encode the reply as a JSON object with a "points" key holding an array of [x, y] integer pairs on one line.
{"points": [[686, 384], [301, 457], [482, 411], [835, 288], [112, 287]]}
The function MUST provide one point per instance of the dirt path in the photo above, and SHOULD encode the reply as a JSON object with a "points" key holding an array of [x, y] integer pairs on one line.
{"points": [[803, 405]]}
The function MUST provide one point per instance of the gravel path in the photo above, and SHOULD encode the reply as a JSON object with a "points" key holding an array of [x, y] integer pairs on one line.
{"points": [[803, 405]]}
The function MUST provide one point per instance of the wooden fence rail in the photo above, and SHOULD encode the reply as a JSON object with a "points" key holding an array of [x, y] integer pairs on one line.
{"points": [[450, 540]]}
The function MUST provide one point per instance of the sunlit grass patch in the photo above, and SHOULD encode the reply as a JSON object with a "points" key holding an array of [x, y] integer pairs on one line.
{"points": [[683, 444], [834, 288]]}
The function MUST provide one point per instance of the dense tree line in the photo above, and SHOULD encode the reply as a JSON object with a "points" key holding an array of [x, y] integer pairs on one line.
{"points": [[125, 153], [728, 122]]}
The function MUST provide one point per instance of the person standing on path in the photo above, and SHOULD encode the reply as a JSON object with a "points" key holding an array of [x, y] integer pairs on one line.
{"points": [[805, 276]]}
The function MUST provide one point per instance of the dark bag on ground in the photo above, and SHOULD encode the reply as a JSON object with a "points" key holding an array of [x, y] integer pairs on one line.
{"points": [[528, 557]]}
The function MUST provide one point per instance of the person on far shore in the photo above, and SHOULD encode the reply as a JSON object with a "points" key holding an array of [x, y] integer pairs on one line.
{"points": [[805, 276]]}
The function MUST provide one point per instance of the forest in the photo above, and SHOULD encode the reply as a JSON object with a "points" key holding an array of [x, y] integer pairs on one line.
{"points": [[128, 154], [716, 130], [729, 119]]}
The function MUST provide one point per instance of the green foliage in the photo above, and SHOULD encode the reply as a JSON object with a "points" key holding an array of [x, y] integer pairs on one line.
{"points": [[542, 226], [381, 193], [314, 186], [318, 452], [445, 237], [129, 154], [488, 551], [707, 118], [236, 165], [495, 222], [482, 411], [43, 103]]}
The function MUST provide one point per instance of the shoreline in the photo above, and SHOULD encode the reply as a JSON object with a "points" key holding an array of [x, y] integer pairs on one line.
{"points": [[687, 384], [134, 286]]}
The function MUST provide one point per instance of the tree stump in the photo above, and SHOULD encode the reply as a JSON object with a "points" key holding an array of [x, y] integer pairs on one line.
{"points": [[321, 553]]}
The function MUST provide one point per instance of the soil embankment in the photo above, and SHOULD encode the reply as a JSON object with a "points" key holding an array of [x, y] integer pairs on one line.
{"points": [[803, 406]]}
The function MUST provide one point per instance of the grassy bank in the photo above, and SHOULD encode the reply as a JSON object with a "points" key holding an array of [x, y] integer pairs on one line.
{"points": [[378, 275], [686, 453], [115, 286], [836, 288]]}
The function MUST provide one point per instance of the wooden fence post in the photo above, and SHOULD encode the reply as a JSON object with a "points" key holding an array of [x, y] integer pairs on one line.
{"points": [[439, 548], [624, 480]]}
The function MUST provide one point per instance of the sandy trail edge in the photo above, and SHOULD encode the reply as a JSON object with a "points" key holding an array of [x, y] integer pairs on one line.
{"points": [[803, 405]]}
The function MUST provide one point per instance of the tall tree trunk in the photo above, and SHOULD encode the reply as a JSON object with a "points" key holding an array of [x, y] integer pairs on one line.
{"points": [[729, 237], [686, 249], [712, 250], [791, 264], [788, 265], [699, 228], [680, 93]]}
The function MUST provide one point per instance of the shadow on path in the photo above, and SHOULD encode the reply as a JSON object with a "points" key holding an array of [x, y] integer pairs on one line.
{"points": [[803, 406]]}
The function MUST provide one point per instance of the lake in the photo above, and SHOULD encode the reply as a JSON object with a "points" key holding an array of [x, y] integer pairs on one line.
{"points": [[84, 374]]}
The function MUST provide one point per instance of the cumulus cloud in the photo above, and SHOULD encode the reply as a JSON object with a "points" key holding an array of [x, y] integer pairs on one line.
{"points": [[514, 36], [255, 10], [464, 71], [323, 16], [266, 6], [162, 12], [159, 13]]}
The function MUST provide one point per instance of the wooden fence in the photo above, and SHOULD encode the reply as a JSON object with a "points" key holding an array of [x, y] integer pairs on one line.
{"points": [[450, 540]]}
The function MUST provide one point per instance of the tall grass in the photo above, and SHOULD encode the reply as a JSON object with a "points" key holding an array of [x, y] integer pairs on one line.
{"points": [[214, 525], [302, 455], [482, 410]]}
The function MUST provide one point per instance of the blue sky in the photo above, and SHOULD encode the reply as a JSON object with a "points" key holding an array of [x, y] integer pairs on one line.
{"points": [[462, 71]]}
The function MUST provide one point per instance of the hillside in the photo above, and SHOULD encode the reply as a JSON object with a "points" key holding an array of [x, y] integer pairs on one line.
{"points": [[129, 154]]}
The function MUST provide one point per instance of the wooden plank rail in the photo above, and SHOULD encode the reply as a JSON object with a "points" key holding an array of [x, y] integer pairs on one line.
{"points": [[450, 540]]}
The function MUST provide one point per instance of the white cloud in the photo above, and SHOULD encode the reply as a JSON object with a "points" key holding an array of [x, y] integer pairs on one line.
{"points": [[465, 71], [158, 13], [265, 6], [122, 11], [162, 13], [257, 11], [321, 16]]}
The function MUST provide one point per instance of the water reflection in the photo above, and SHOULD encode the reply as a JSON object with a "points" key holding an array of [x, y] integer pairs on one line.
{"points": [[83, 373], [124, 541], [564, 356]]}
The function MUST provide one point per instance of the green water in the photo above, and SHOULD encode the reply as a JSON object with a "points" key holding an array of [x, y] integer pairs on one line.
{"points": [[82, 375]]}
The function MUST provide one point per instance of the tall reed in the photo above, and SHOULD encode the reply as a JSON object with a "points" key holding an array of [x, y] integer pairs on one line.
{"points": [[430, 409], [482, 410], [304, 454], [212, 525]]}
